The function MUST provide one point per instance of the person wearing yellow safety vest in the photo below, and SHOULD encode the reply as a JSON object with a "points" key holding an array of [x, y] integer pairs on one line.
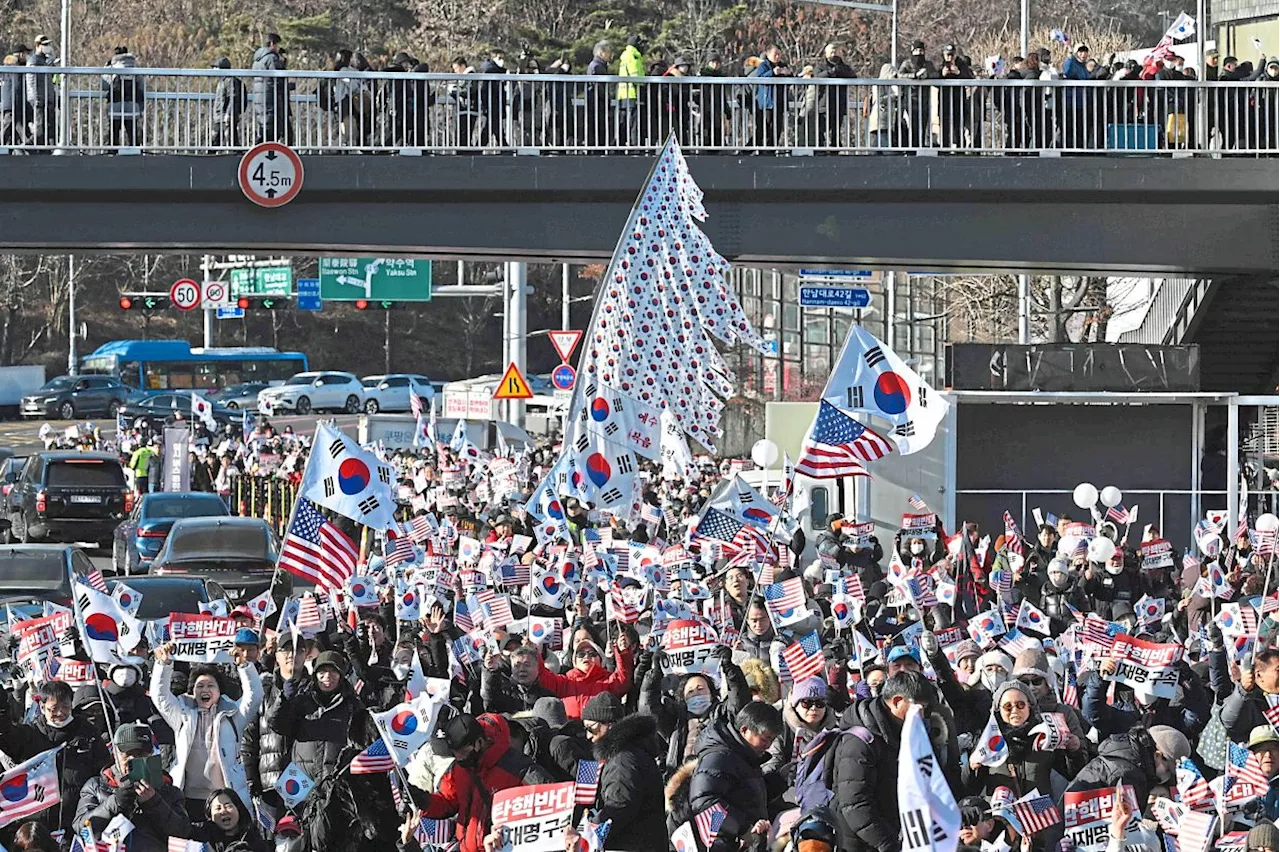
{"points": [[630, 64]]}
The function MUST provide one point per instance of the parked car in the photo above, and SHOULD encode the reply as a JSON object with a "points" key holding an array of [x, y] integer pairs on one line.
{"points": [[239, 553], [241, 396], [141, 535], [40, 572], [163, 408], [307, 392], [390, 393], [68, 496], [69, 397], [163, 595]]}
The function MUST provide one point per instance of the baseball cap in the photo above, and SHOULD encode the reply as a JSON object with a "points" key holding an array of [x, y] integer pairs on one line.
{"points": [[462, 730], [245, 636], [903, 651], [43, 40], [1081, 46], [1263, 735]]}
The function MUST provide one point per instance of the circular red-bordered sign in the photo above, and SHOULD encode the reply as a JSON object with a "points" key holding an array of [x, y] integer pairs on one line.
{"points": [[185, 294], [270, 174]]}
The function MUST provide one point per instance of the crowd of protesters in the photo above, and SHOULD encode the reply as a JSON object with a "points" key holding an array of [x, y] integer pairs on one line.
{"points": [[809, 761], [356, 111]]}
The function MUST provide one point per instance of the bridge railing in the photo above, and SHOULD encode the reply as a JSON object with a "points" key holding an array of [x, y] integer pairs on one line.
{"points": [[94, 110]]}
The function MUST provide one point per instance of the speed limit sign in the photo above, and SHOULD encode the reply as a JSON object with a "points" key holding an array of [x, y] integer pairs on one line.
{"points": [[216, 294], [185, 294]]}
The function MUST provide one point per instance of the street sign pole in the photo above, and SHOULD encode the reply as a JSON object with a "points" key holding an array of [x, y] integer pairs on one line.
{"points": [[207, 267], [517, 283]]}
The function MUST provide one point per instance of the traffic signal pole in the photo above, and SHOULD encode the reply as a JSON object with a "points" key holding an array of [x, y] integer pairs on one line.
{"points": [[206, 266], [517, 328]]}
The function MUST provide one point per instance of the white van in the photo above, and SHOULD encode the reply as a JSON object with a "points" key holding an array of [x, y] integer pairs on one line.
{"points": [[812, 501]]}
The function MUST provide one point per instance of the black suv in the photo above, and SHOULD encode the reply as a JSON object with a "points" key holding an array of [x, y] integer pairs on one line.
{"points": [[70, 397], [68, 496]]}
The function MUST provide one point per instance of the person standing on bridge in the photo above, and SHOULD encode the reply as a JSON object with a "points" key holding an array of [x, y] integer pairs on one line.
{"points": [[126, 98], [229, 102], [917, 99], [271, 94], [41, 97], [13, 101]]}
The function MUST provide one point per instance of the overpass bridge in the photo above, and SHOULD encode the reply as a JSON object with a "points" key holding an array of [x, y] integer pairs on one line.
{"points": [[1065, 176]]}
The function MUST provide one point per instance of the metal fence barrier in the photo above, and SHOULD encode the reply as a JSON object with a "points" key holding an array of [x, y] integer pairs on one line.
{"points": [[92, 110], [266, 497]]}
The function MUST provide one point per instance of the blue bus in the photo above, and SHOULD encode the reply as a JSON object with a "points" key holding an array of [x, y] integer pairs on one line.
{"points": [[151, 366]]}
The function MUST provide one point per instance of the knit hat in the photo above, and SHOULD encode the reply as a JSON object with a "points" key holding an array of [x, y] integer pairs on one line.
{"points": [[966, 649], [1171, 742], [1014, 686], [332, 658], [462, 730], [550, 710], [133, 737], [810, 688], [604, 708], [996, 658], [1263, 835], [1031, 662]]}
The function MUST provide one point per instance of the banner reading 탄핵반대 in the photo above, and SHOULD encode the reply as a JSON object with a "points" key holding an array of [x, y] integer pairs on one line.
{"points": [[1149, 667], [1087, 816], [688, 645], [201, 638], [534, 818]]}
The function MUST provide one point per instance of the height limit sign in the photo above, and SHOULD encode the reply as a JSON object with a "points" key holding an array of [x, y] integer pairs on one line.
{"points": [[270, 174]]}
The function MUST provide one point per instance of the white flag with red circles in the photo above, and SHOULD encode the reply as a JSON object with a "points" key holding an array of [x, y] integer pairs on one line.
{"points": [[349, 480], [202, 410], [662, 298], [620, 420]]}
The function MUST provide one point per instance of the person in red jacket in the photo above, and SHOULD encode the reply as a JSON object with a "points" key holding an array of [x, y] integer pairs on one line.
{"points": [[588, 677], [483, 764]]}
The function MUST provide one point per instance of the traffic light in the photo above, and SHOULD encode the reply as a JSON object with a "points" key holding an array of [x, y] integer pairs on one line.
{"points": [[143, 303], [265, 303], [376, 304]]}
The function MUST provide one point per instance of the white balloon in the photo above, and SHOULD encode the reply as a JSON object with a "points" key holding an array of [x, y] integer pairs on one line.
{"points": [[1111, 496], [764, 453], [1101, 549], [1067, 545], [1085, 495], [1267, 521]]}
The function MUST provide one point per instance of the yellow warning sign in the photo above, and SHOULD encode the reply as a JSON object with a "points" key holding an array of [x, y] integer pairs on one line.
{"points": [[513, 385]]}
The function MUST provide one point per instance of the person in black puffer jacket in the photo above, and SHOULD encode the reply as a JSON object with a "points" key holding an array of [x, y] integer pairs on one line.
{"points": [[692, 706], [83, 751], [228, 826], [265, 751], [730, 754], [1140, 758], [125, 688], [630, 790], [1061, 591]]}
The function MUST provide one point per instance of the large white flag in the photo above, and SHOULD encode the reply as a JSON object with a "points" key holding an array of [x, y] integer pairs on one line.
{"points": [[928, 810], [677, 459], [348, 480], [408, 726], [203, 409], [109, 629], [870, 378]]}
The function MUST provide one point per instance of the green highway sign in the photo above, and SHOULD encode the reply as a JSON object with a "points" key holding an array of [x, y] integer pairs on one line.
{"points": [[262, 281], [389, 279]]}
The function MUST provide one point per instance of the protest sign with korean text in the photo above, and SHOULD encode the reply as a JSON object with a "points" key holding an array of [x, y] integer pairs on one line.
{"points": [[688, 645], [1149, 667], [201, 638], [1086, 814], [533, 818]]}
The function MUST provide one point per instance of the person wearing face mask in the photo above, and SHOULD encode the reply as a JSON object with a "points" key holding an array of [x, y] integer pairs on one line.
{"points": [[1059, 594], [483, 764], [1140, 757], [208, 727], [125, 689], [264, 752], [82, 756], [228, 826], [42, 96], [692, 706], [1188, 710], [806, 713], [916, 98], [1111, 584]]}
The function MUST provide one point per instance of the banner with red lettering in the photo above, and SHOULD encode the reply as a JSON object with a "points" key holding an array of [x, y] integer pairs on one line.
{"points": [[36, 636], [688, 645], [1149, 667], [1087, 816], [533, 818], [201, 638], [1157, 553]]}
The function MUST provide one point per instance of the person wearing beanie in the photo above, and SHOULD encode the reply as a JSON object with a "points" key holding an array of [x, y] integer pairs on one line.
{"points": [[1032, 668], [550, 711], [1188, 710], [1264, 837], [1142, 758], [630, 787], [207, 727], [589, 677], [484, 763], [154, 806], [806, 713]]}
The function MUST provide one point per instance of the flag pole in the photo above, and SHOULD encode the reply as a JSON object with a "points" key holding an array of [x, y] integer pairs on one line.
{"points": [[78, 612], [293, 511]]}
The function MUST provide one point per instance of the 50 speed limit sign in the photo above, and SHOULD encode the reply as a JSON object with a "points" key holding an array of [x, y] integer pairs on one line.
{"points": [[270, 174], [185, 294]]}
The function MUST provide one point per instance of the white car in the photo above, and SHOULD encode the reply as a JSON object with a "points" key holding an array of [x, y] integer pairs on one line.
{"points": [[308, 392], [391, 392]]}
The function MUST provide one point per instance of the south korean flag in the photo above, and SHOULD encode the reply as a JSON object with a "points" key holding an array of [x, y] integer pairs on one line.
{"points": [[603, 473], [202, 410], [349, 480], [622, 420]]}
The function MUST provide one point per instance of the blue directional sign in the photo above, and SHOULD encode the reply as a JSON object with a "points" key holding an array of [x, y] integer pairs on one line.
{"points": [[837, 273], [230, 312], [309, 295], [834, 297], [563, 377]]}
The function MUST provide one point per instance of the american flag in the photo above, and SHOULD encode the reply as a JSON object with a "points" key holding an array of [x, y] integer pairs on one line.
{"points": [[1193, 789], [1097, 631], [1119, 514], [1036, 814], [316, 550], [402, 550], [708, 823], [397, 795], [1264, 542], [650, 514], [921, 591], [181, 844], [804, 657], [435, 832], [497, 611], [376, 758], [917, 503], [1243, 766], [787, 595], [586, 782], [1271, 603], [853, 587], [1071, 689], [1195, 832], [416, 403], [1012, 535], [751, 540], [1242, 529], [837, 445], [1189, 560], [420, 529], [619, 608], [463, 618], [308, 613], [716, 526], [514, 573], [765, 577], [97, 581]]}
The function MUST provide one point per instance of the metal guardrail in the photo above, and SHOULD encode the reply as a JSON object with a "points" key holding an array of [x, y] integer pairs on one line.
{"points": [[212, 111]]}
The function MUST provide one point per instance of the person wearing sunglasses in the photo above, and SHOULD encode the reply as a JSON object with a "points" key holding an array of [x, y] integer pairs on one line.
{"points": [[806, 713], [1017, 714], [1031, 667], [588, 677]]}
